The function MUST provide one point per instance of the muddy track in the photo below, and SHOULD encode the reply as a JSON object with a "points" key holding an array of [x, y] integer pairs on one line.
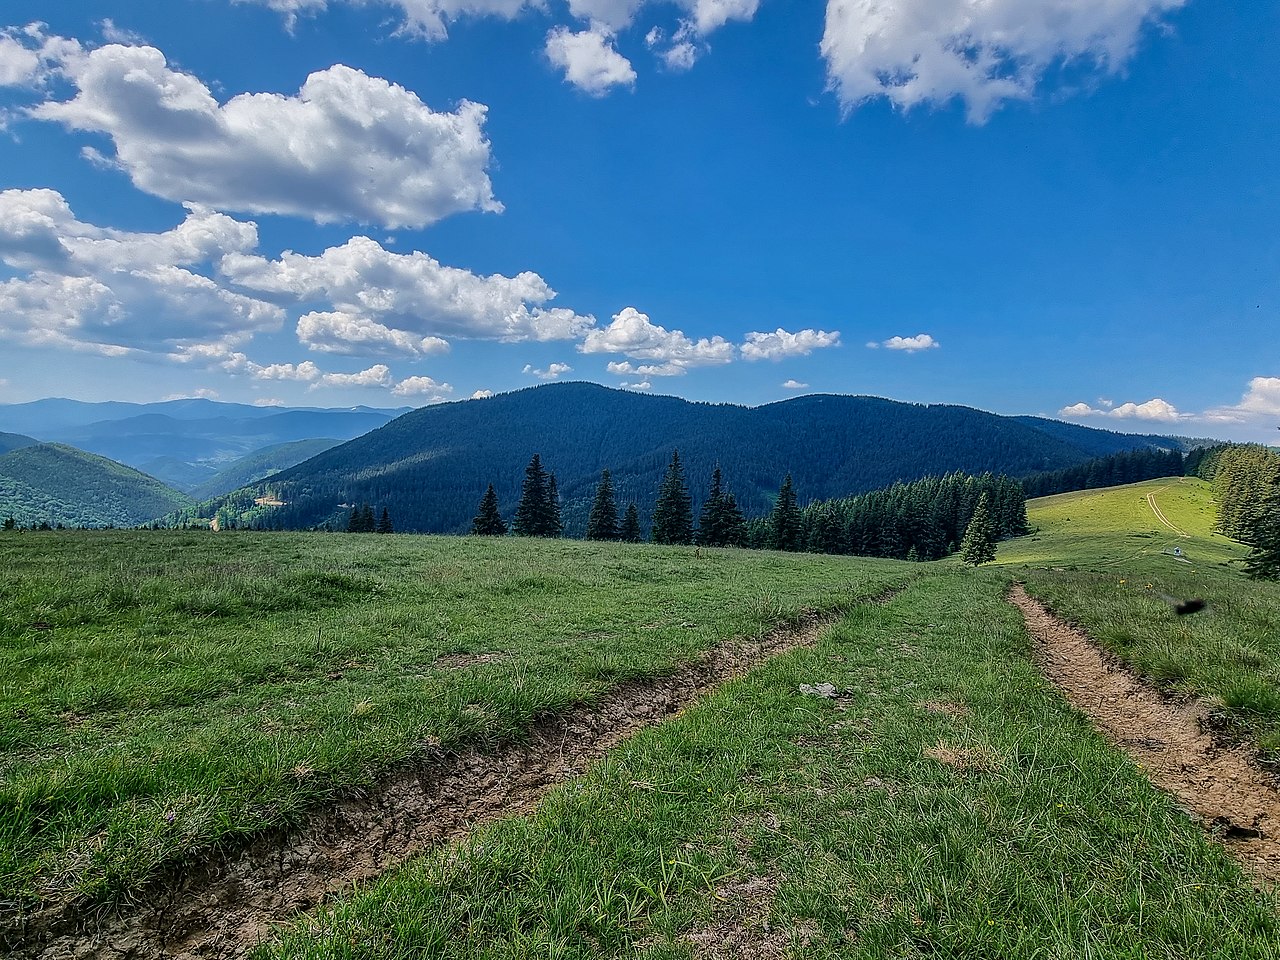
{"points": [[222, 904], [1220, 784]]}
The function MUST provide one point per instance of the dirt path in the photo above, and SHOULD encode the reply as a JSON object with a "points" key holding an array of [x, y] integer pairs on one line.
{"points": [[1221, 786], [223, 905], [1151, 501]]}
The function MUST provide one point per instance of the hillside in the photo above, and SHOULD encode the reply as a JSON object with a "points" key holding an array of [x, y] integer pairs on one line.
{"points": [[184, 443], [260, 464], [430, 466], [12, 441], [61, 485]]}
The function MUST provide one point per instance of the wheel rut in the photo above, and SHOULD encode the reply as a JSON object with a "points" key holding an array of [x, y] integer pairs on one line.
{"points": [[224, 903], [1220, 785]]}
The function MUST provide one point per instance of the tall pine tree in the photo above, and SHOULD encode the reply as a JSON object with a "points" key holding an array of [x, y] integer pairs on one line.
{"points": [[630, 531], [555, 527], [384, 522], [979, 543], [784, 521], [711, 522], [603, 522], [673, 513], [537, 514], [1263, 562], [488, 521]]}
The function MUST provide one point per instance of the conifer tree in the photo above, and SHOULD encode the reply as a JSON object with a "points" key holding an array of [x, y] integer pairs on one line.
{"points": [[384, 522], [979, 543], [603, 522], [488, 521], [735, 524], [534, 514], [784, 521], [1263, 562], [673, 513], [630, 530], [555, 527], [367, 522], [711, 522]]}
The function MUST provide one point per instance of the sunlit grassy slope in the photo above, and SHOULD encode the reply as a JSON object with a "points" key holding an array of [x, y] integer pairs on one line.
{"points": [[164, 690], [1105, 559]]}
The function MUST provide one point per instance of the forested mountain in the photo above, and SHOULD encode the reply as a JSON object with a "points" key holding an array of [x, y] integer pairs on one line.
{"points": [[183, 442], [55, 484], [431, 466], [12, 441], [1102, 443], [259, 465]]}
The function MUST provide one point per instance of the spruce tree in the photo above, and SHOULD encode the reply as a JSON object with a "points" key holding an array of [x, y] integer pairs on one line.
{"points": [[1263, 562], [533, 514], [603, 522], [673, 513], [735, 524], [630, 530], [555, 527], [367, 522], [784, 521], [488, 521], [353, 521], [711, 522], [979, 543], [384, 522]]}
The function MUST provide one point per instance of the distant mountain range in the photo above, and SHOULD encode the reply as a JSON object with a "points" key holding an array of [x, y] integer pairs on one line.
{"points": [[185, 443], [429, 467]]}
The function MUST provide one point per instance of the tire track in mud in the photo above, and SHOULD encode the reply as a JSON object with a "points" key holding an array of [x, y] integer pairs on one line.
{"points": [[223, 904], [1222, 786]]}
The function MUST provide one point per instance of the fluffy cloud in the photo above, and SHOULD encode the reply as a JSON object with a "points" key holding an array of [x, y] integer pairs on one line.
{"points": [[379, 375], [422, 387], [633, 335], [589, 60], [411, 294], [1260, 401], [425, 19], [115, 292], [983, 51], [29, 56], [643, 386], [1155, 409], [338, 332], [921, 341], [612, 14], [304, 372], [554, 371], [482, 395], [780, 343], [794, 385], [347, 147]]}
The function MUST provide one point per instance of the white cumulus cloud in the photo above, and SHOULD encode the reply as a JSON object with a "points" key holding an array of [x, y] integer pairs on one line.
{"points": [[554, 371], [423, 19], [482, 395], [411, 294], [351, 334], [794, 385], [422, 387], [81, 286], [347, 147], [1261, 401], [1155, 409], [589, 59], [379, 375], [921, 341], [984, 52], [780, 343], [632, 334]]}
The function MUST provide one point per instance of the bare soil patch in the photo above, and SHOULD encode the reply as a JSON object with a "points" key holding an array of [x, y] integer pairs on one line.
{"points": [[1220, 783], [223, 903]]}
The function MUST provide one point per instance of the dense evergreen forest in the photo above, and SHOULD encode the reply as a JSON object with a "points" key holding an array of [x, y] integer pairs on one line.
{"points": [[1131, 466], [1244, 477], [430, 466]]}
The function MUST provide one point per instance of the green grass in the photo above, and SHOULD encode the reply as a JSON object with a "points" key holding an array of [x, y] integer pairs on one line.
{"points": [[1102, 559], [853, 840], [168, 690]]}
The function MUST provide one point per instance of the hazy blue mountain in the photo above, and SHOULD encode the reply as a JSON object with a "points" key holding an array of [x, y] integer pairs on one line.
{"points": [[12, 441], [58, 484], [430, 467], [260, 464], [183, 442]]}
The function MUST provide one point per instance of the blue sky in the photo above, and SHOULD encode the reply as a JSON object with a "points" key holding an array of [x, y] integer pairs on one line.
{"points": [[332, 202]]}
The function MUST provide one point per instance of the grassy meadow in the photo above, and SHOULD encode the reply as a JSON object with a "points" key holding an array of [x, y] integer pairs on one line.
{"points": [[161, 691], [1104, 560], [169, 690]]}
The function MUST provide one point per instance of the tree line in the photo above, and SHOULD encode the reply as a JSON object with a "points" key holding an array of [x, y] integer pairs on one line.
{"points": [[1246, 486], [1131, 466], [923, 520]]}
